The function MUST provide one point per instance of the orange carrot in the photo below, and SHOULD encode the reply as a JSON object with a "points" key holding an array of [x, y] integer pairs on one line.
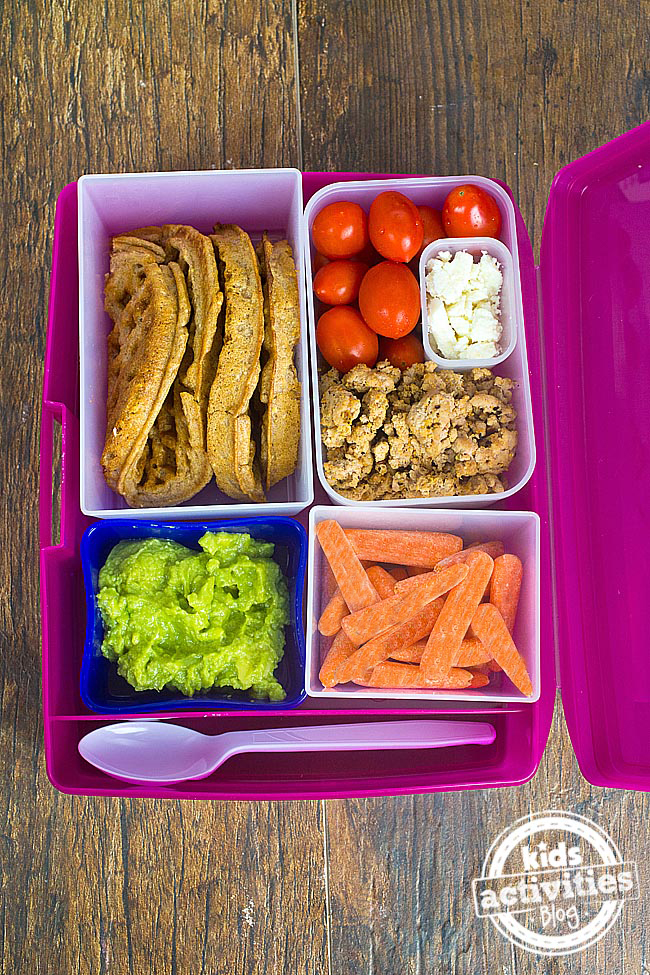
{"points": [[398, 572], [403, 547], [373, 620], [472, 653], [402, 635], [339, 652], [330, 619], [417, 570], [406, 675], [506, 586], [481, 669], [412, 654], [382, 580], [356, 588], [503, 591], [490, 628], [480, 680], [446, 637], [494, 549]]}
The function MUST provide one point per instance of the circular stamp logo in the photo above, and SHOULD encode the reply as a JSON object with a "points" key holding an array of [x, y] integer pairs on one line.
{"points": [[554, 883]]}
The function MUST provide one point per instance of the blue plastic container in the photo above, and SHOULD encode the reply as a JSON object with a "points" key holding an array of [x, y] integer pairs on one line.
{"points": [[102, 688]]}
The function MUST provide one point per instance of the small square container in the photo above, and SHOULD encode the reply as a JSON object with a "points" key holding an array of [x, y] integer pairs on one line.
{"points": [[520, 533], [433, 190], [105, 692], [511, 315], [257, 200]]}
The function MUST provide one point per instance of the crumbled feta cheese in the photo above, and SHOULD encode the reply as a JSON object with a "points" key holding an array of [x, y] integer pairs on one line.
{"points": [[438, 320], [463, 300]]}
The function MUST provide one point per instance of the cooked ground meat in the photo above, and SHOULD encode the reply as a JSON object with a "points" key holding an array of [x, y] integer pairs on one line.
{"points": [[421, 433]]}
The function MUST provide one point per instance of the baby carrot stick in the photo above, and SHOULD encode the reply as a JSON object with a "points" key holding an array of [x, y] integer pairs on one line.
{"points": [[506, 586], [443, 645], [367, 623], [398, 572], [338, 653], [494, 549], [472, 653], [406, 675], [412, 654], [417, 570], [382, 580], [490, 628], [356, 588], [399, 636], [403, 547], [330, 619], [480, 680]]}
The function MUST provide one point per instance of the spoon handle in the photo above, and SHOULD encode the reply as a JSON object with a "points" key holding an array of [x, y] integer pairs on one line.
{"points": [[428, 733]]}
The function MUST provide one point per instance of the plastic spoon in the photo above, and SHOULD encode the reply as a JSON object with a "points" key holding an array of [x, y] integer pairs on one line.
{"points": [[152, 751]]}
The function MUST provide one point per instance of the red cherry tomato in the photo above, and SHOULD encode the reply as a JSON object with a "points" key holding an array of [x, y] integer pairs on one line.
{"points": [[319, 261], [340, 230], [338, 282], [432, 223], [389, 299], [345, 340], [403, 352], [469, 211], [395, 226]]}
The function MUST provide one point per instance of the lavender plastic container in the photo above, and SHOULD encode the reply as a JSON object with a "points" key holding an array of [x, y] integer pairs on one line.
{"points": [[601, 558]]}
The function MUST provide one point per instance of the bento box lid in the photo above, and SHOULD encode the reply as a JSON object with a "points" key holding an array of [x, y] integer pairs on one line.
{"points": [[595, 299]]}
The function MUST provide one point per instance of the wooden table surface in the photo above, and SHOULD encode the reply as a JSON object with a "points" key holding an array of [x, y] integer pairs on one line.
{"points": [[508, 89]]}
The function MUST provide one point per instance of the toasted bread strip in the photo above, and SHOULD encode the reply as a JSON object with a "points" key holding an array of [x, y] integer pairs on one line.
{"points": [[145, 349], [231, 448], [279, 388], [194, 254]]}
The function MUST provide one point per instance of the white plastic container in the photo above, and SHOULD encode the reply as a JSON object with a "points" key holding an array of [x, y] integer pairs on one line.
{"points": [[520, 533], [257, 200], [511, 312], [431, 190]]}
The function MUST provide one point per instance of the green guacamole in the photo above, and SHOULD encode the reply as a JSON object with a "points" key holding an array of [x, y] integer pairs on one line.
{"points": [[177, 618]]}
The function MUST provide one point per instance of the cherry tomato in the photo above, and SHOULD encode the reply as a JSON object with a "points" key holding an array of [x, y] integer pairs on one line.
{"points": [[319, 261], [403, 352], [340, 230], [389, 299], [345, 340], [395, 226], [469, 211], [432, 223], [338, 282]]}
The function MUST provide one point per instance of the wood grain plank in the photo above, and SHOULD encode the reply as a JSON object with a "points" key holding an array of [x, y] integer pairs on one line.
{"points": [[514, 90], [99, 885]]}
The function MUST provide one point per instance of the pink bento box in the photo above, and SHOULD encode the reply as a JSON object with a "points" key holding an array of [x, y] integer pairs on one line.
{"points": [[590, 403]]}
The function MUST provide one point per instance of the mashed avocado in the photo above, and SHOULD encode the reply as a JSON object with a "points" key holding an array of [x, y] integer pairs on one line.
{"points": [[177, 618]]}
